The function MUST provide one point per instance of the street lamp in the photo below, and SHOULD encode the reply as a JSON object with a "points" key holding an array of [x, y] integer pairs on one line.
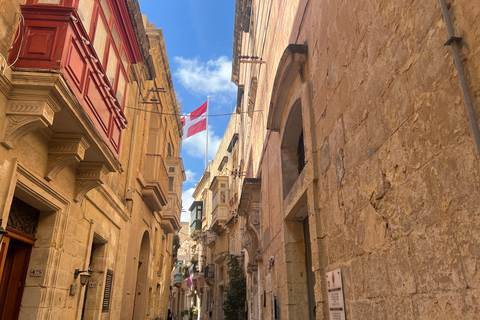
{"points": [[2, 231], [84, 276]]}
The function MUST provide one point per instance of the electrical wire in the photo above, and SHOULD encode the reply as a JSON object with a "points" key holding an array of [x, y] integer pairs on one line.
{"points": [[22, 32], [182, 115]]}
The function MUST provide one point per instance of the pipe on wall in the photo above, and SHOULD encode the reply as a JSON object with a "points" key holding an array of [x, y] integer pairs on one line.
{"points": [[454, 41]]}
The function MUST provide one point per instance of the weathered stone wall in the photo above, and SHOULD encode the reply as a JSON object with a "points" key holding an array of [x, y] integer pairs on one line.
{"points": [[394, 198], [8, 25]]}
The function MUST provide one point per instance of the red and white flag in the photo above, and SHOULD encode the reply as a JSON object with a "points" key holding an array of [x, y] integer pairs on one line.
{"points": [[195, 122]]}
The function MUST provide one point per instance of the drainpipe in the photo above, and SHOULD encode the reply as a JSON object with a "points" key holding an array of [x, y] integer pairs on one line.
{"points": [[454, 42]]}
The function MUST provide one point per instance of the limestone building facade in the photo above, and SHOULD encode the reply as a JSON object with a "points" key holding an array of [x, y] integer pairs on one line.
{"points": [[359, 157], [90, 174], [215, 231]]}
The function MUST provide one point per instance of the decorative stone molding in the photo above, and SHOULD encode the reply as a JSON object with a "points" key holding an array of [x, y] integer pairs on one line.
{"points": [[24, 117], [89, 175], [250, 243], [64, 150], [249, 207], [291, 66]]}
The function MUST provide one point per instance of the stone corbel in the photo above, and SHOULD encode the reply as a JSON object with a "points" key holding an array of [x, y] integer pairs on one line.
{"points": [[254, 218], [89, 175], [24, 117], [250, 243], [64, 150]]}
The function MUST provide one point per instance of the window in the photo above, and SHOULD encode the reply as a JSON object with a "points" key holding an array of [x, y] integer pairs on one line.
{"points": [[170, 183], [102, 28], [222, 197], [293, 151]]}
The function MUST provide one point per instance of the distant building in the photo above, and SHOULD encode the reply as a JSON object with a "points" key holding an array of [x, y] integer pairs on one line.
{"points": [[215, 232], [90, 174]]}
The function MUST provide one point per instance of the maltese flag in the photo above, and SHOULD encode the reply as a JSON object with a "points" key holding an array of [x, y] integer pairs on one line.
{"points": [[194, 122]]}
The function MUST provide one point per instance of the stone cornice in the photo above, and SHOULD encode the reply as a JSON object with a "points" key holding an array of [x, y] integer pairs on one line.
{"points": [[242, 24], [5, 84], [200, 184], [52, 88], [88, 177]]}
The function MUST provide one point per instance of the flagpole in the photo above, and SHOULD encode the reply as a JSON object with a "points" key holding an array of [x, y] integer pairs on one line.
{"points": [[206, 139]]}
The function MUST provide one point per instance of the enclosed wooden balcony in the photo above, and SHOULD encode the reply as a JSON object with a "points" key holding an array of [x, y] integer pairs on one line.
{"points": [[196, 214], [196, 227], [219, 188], [56, 39], [170, 215]]}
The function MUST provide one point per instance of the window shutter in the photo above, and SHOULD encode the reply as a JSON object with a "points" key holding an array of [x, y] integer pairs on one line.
{"points": [[108, 291]]}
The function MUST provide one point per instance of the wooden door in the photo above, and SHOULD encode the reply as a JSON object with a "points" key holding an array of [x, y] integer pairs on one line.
{"points": [[16, 257]]}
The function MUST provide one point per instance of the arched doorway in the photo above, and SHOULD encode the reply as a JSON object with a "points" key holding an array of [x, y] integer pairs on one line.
{"points": [[141, 287]]}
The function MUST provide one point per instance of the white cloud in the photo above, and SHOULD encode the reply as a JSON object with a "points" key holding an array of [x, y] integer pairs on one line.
{"points": [[187, 201], [212, 77], [194, 146], [190, 175]]}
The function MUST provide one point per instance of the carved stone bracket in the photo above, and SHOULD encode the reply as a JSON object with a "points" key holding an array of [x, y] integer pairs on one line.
{"points": [[249, 207], [250, 243], [64, 150], [89, 175], [24, 117]]}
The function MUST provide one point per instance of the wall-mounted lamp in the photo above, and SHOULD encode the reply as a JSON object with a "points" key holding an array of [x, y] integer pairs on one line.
{"points": [[84, 276], [2, 231]]}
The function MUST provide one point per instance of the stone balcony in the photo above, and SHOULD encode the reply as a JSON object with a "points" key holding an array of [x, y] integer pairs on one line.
{"points": [[170, 216], [219, 217], [154, 182]]}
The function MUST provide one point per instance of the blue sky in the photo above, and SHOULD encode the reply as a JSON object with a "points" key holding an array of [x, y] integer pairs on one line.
{"points": [[199, 38]]}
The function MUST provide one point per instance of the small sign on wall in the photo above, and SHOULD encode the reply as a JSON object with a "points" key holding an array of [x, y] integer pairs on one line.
{"points": [[36, 273], [336, 303]]}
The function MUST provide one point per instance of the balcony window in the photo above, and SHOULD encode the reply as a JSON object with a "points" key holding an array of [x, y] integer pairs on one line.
{"points": [[85, 12], [220, 195], [100, 39], [107, 44], [196, 212]]}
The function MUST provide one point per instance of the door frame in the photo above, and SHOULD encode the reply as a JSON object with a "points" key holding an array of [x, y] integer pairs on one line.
{"points": [[25, 239]]}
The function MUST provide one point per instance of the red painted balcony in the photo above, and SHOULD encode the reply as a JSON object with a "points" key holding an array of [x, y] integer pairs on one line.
{"points": [[55, 39]]}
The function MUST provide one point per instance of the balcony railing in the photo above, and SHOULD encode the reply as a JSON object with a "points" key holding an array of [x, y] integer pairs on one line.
{"points": [[210, 271], [196, 226]]}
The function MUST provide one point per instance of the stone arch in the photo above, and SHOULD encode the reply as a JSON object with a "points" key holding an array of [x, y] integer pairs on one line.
{"points": [[290, 69], [141, 287]]}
